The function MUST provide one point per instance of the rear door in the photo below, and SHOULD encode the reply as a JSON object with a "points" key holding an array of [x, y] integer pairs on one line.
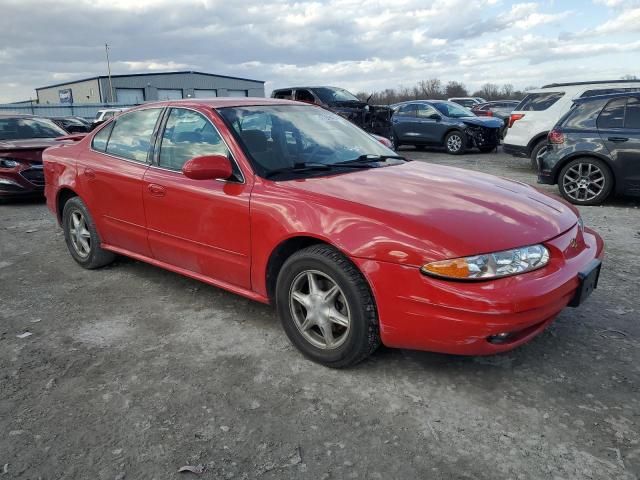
{"points": [[430, 124], [111, 176], [198, 225], [619, 128], [405, 123]]}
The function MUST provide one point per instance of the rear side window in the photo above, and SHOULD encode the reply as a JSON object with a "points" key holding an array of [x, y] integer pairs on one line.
{"points": [[100, 139], [406, 111], [613, 114], [606, 91], [583, 115], [537, 102], [131, 134], [284, 94], [632, 117]]}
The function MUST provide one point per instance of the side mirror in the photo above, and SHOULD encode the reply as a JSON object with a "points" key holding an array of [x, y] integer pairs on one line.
{"points": [[435, 116], [207, 167]]}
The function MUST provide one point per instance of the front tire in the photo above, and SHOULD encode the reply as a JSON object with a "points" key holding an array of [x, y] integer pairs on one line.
{"points": [[585, 181], [81, 236], [455, 143], [326, 307]]}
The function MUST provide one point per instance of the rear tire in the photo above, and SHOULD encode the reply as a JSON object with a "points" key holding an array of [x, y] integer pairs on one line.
{"points": [[537, 150], [326, 307], [585, 181], [82, 237], [455, 143], [395, 142]]}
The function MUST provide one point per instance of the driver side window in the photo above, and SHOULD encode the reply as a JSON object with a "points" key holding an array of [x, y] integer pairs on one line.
{"points": [[188, 134]]}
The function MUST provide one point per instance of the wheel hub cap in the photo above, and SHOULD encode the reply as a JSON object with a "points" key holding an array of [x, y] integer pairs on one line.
{"points": [[79, 234], [319, 309]]}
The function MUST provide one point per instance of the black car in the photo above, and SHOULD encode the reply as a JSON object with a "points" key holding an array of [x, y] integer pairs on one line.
{"points": [[442, 123], [72, 124], [499, 109], [374, 119], [594, 149]]}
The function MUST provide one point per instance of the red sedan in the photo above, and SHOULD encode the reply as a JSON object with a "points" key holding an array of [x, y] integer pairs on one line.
{"points": [[287, 203]]}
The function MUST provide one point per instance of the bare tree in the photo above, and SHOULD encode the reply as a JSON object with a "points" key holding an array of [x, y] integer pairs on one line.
{"points": [[507, 91], [488, 91], [629, 77], [455, 89], [431, 88]]}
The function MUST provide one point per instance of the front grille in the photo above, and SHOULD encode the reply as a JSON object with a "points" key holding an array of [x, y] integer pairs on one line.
{"points": [[34, 175], [484, 136]]}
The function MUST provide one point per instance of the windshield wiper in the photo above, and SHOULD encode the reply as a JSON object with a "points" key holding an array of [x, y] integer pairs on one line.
{"points": [[369, 158], [317, 167]]}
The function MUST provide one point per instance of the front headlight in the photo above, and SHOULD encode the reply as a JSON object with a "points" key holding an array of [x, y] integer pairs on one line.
{"points": [[8, 163], [491, 265]]}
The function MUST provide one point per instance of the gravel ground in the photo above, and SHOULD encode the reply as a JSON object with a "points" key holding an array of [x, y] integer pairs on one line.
{"points": [[132, 372]]}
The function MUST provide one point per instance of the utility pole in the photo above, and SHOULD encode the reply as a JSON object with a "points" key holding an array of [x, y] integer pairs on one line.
{"points": [[106, 49]]}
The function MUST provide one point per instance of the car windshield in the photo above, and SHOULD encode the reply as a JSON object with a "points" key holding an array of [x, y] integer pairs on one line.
{"points": [[280, 137], [330, 95], [17, 128], [453, 110]]}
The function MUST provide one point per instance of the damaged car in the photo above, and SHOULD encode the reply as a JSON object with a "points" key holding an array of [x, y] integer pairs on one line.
{"points": [[440, 123], [374, 119]]}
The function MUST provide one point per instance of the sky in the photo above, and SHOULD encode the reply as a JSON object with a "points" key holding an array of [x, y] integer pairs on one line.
{"points": [[361, 45]]}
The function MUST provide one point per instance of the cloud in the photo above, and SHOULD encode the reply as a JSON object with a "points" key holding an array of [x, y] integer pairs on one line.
{"points": [[359, 44]]}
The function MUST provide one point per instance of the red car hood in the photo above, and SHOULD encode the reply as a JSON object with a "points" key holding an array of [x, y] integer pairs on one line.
{"points": [[448, 211]]}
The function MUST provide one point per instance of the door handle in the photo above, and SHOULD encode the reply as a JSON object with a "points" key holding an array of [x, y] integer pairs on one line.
{"points": [[156, 190], [618, 139], [90, 173]]}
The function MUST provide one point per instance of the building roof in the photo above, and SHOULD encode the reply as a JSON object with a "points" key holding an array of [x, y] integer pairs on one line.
{"points": [[148, 74]]}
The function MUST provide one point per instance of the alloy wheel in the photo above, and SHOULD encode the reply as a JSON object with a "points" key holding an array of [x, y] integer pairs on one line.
{"points": [[583, 182], [320, 310], [454, 143], [79, 234]]}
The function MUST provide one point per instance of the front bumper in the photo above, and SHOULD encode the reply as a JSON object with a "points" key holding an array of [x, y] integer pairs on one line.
{"points": [[21, 182], [424, 313]]}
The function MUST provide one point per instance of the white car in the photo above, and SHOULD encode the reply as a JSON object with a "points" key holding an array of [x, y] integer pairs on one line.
{"points": [[106, 114], [541, 109], [467, 102]]}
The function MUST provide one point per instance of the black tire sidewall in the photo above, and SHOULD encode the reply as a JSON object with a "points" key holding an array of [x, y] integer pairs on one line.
{"points": [[461, 150], [358, 334], [602, 196], [534, 153]]}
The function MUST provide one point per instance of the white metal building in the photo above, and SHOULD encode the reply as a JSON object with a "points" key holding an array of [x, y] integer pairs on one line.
{"points": [[143, 87]]}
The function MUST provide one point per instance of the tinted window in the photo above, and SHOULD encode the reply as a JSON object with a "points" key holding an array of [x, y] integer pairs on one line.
{"points": [[131, 134], [406, 110], [583, 115], [304, 96], [285, 94], [330, 95], [632, 117], [100, 139], [605, 91], [425, 110], [613, 114], [22, 128], [188, 134], [537, 102]]}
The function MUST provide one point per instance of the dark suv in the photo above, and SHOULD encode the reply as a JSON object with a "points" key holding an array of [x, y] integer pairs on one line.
{"points": [[594, 149]]}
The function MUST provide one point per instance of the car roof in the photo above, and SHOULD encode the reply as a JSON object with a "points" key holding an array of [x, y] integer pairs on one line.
{"points": [[582, 86], [607, 96], [309, 87], [221, 102]]}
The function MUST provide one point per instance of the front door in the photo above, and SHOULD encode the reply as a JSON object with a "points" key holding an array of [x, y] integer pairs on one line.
{"points": [[619, 128], [199, 225], [112, 174]]}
